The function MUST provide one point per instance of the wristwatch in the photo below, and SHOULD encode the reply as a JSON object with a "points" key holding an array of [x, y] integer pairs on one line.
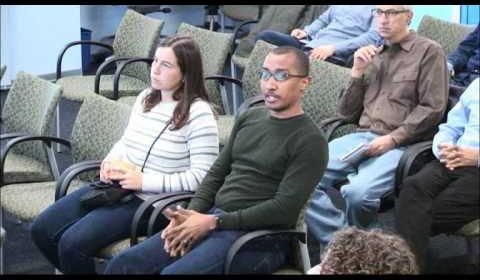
{"points": [[218, 220]]}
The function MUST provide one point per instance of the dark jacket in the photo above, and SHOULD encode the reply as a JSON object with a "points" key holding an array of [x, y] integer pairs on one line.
{"points": [[465, 59]]}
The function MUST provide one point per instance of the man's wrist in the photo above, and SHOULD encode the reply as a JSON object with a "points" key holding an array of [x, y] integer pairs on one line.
{"points": [[215, 221], [357, 73]]}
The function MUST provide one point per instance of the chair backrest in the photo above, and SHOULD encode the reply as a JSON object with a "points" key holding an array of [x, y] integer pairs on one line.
{"points": [[328, 80], [29, 108], [251, 76], [214, 47], [137, 36], [99, 125], [243, 12], [448, 34]]}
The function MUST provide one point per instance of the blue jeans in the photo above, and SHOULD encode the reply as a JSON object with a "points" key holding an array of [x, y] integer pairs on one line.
{"points": [[279, 39], [70, 236], [206, 257], [368, 181]]}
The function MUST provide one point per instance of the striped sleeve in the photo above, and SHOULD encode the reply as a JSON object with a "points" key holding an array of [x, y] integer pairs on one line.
{"points": [[202, 144]]}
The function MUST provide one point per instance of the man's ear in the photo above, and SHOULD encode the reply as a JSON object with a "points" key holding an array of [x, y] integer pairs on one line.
{"points": [[305, 83]]}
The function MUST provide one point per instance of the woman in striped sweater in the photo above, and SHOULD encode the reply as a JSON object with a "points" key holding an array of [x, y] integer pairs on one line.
{"points": [[70, 236]]}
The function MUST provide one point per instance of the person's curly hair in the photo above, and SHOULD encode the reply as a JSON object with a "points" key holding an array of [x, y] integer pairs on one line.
{"points": [[356, 251]]}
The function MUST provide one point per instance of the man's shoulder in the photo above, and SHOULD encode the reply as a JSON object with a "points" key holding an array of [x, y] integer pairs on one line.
{"points": [[310, 131], [426, 43]]}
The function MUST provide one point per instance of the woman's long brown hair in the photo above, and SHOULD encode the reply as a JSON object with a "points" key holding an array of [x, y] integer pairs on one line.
{"points": [[189, 60]]}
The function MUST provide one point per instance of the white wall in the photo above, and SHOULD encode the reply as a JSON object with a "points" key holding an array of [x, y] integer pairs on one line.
{"points": [[32, 36], [446, 12]]}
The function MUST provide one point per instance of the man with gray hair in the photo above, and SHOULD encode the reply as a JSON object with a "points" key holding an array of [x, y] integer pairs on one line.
{"points": [[397, 95]]}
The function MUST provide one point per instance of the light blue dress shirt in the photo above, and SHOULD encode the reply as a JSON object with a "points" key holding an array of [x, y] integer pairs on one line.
{"points": [[347, 27], [462, 126]]}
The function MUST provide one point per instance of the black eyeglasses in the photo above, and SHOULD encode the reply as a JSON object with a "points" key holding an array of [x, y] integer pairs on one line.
{"points": [[279, 75], [387, 13]]}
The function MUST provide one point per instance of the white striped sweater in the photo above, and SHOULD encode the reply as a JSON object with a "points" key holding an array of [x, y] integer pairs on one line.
{"points": [[180, 158]]}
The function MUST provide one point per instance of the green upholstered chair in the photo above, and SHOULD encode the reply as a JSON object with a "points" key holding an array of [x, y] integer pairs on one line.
{"points": [[91, 141], [448, 34], [28, 110], [136, 36], [214, 49], [250, 85]]}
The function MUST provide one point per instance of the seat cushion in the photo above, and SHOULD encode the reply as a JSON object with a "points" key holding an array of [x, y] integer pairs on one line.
{"points": [[19, 168], [470, 229], [225, 125], [288, 270], [77, 87], [129, 100], [115, 248], [27, 200]]}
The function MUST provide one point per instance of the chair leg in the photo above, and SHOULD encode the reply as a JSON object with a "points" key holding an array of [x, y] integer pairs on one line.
{"points": [[59, 147], [233, 73]]}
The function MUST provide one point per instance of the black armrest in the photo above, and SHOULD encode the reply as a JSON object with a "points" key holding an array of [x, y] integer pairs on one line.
{"points": [[244, 239], [419, 153], [142, 209], [222, 79], [70, 173], [329, 125], [47, 140], [250, 102], [71, 44], [102, 68], [118, 72], [11, 135], [236, 31]]}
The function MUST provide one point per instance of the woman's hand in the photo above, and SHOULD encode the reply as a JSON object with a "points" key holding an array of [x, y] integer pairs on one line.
{"points": [[105, 169], [131, 179]]}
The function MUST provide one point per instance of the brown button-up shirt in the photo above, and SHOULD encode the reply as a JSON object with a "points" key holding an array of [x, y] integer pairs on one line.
{"points": [[402, 93]]}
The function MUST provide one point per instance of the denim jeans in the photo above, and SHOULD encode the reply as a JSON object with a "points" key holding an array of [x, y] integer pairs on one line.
{"points": [[279, 39], [70, 236], [206, 257], [368, 180]]}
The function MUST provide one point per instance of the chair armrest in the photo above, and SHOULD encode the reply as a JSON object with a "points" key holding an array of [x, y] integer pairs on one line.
{"points": [[222, 79], [244, 239], [250, 102], [142, 210], [6, 136], [236, 31], [118, 72], [47, 140], [71, 44], [421, 151], [329, 125], [70, 173], [102, 68]]}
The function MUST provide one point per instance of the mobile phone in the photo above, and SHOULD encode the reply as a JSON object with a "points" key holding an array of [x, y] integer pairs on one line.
{"points": [[356, 153]]}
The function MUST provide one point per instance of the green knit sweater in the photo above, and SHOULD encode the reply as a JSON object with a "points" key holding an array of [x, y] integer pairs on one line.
{"points": [[266, 172]]}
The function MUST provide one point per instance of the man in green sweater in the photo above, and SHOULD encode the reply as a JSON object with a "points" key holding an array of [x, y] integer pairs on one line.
{"points": [[261, 180]]}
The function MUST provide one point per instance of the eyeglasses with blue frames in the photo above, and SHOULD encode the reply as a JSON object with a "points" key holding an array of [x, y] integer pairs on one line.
{"points": [[388, 13], [279, 75]]}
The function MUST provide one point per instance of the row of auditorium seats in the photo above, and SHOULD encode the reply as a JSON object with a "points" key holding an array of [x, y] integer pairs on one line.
{"points": [[30, 177]]}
